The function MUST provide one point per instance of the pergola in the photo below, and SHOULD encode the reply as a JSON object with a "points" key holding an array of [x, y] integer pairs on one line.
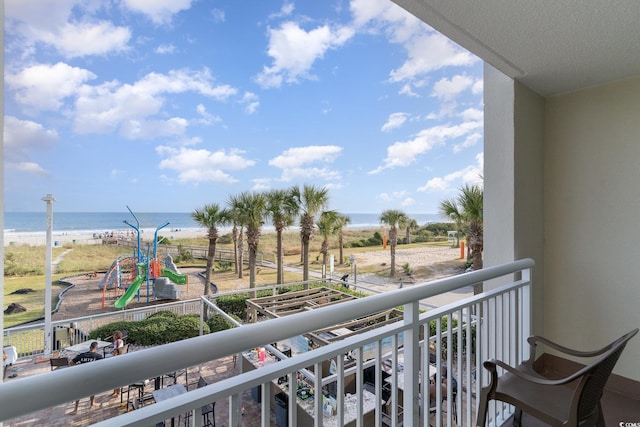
{"points": [[287, 303]]}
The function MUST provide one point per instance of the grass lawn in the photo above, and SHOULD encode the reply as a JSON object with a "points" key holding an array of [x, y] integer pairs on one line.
{"points": [[32, 301]]}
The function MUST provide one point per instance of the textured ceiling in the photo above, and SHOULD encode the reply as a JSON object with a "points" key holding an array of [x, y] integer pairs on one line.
{"points": [[553, 46]]}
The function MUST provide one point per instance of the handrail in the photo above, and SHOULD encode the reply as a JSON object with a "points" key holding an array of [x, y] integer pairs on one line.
{"points": [[140, 365]]}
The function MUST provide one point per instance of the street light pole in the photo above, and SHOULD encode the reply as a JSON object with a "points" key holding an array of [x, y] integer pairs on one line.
{"points": [[47, 285]]}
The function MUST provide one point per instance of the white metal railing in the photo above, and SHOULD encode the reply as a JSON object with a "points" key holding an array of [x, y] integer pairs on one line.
{"points": [[492, 324], [29, 339]]}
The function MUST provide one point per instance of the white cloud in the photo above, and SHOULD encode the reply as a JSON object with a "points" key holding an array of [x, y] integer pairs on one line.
{"points": [[409, 201], [44, 87], [74, 40], [297, 163], [30, 168], [131, 108], [218, 15], [478, 87], [470, 141], [297, 156], [405, 153], [159, 11], [52, 22], [294, 51], [261, 184], [394, 196], [448, 89], [22, 137], [472, 114], [165, 49], [470, 174], [251, 102], [195, 166], [394, 121], [206, 118], [429, 52], [286, 10]]}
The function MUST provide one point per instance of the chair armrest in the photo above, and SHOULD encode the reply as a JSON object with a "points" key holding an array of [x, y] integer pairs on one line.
{"points": [[491, 366], [534, 340]]}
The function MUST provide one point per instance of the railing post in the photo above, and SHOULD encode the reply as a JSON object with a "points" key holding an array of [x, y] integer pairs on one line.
{"points": [[411, 342]]}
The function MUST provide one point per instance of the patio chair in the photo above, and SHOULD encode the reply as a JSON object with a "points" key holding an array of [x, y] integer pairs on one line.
{"points": [[11, 357], [58, 362], [207, 411], [570, 401]]}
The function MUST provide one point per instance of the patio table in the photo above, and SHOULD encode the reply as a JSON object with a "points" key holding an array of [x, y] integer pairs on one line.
{"points": [[84, 346]]}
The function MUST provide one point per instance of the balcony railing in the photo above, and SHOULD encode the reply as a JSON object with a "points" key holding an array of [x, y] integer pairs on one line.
{"points": [[380, 376]]}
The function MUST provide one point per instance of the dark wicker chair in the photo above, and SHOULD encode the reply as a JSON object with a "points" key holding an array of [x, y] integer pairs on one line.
{"points": [[570, 401]]}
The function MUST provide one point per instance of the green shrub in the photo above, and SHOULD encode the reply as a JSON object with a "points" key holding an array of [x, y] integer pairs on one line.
{"points": [[159, 328], [444, 328], [218, 323], [163, 240], [407, 269], [184, 255]]}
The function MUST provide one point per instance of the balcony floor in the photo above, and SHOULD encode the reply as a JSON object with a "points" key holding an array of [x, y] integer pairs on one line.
{"points": [[110, 407], [616, 407]]}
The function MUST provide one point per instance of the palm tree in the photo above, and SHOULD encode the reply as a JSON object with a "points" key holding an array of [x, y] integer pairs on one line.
{"points": [[449, 209], [327, 226], [393, 218], [471, 200], [254, 208], [282, 208], [343, 220], [234, 237], [236, 216], [210, 216], [310, 201], [467, 210], [410, 225]]}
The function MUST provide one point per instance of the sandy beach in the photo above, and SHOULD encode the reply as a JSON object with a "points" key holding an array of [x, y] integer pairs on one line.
{"points": [[60, 238]]}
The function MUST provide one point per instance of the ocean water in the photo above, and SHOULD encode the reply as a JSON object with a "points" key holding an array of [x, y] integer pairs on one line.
{"points": [[74, 222]]}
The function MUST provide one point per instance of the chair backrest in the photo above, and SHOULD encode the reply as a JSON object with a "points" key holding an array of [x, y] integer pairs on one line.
{"points": [[122, 350], [594, 381], [202, 382], [58, 362]]}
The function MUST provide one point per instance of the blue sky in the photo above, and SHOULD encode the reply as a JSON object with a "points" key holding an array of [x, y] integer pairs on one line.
{"points": [[166, 105]]}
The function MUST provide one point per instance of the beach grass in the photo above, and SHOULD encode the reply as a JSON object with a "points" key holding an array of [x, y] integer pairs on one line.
{"points": [[26, 260], [86, 258]]}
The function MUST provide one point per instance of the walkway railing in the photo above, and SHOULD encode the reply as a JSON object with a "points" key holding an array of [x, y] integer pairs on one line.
{"points": [[387, 385]]}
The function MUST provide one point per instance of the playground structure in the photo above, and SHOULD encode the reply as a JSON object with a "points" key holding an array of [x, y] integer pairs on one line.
{"points": [[158, 275]]}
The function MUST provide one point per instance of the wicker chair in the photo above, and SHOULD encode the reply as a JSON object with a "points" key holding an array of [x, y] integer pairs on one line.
{"points": [[570, 401]]}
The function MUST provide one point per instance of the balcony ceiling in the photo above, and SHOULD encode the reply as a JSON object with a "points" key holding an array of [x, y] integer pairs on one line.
{"points": [[553, 47]]}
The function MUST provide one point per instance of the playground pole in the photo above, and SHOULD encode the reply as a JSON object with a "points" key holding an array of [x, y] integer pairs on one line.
{"points": [[47, 285], [155, 239], [137, 228], [155, 251]]}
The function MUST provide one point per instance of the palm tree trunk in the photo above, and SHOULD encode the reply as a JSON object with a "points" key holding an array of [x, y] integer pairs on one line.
{"points": [[240, 253], [393, 240], [324, 250], [234, 235], [305, 260], [280, 258]]}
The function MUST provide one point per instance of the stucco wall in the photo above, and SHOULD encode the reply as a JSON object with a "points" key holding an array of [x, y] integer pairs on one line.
{"points": [[513, 178], [592, 218]]}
